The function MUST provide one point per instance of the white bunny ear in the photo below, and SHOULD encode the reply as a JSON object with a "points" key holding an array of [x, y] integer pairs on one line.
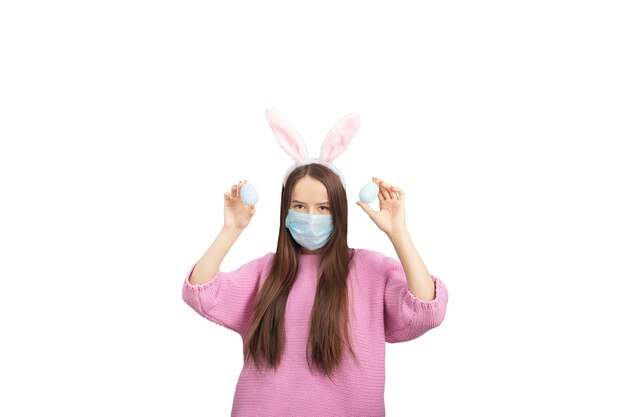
{"points": [[288, 138], [339, 137]]}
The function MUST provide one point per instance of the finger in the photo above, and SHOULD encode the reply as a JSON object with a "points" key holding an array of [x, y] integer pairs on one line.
{"points": [[241, 183], [378, 182], [234, 191], [239, 188], [381, 196], [383, 189], [251, 209], [226, 195], [387, 190], [370, 212], [400, 192]]}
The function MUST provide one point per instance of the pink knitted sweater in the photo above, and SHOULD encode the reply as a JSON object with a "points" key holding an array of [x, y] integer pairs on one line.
{"points": [[381, 310]]}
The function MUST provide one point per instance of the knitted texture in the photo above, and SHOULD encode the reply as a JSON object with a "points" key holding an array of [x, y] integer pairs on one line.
{"points": [[382, 309]]}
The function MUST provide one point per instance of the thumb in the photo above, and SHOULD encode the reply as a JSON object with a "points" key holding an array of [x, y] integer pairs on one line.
{"points": [[251, 209], [366, 207]]}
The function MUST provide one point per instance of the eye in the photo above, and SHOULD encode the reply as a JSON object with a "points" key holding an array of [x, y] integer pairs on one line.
{"points": [[298, 205], [324, 207]]}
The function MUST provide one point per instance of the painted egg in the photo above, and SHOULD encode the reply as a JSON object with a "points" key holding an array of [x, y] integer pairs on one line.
{"points": [[369, 192], [248, 194]]}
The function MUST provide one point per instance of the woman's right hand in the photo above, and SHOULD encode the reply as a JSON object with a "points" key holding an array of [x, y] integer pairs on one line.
{"points": [[236, 214]]}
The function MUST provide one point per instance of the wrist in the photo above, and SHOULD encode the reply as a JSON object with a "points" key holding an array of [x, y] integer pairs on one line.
{"points": [[398, 234], [232, 230]]}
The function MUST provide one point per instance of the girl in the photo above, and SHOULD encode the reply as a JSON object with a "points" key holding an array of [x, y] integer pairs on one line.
{"points": [[314, 316]]}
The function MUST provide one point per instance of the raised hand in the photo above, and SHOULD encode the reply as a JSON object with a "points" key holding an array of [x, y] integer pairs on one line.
{"points": [[236, 214], [391, 218]]}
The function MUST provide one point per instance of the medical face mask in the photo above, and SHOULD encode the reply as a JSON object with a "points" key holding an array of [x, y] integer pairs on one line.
{"points": [[309, 230]]}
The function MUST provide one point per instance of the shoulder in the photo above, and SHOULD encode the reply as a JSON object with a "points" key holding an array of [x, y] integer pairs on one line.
{"points": [[260, 262], [373, 260], [266, 260]]}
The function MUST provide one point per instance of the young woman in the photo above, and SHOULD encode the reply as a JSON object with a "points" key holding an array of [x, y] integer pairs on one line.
{"points": [[315, 315]]}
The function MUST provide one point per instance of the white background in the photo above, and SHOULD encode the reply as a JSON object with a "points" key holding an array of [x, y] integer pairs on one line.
{"points": [[123, 122]]}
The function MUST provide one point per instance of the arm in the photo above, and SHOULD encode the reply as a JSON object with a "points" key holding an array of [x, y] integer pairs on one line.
{"points": [[208, 265], [415, 301], [406, 316], [228, 298], [236, 217], [391, 219], [418, 278]]}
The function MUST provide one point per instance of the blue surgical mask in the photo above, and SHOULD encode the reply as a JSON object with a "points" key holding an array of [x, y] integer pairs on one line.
{"points": [[309, 230]]}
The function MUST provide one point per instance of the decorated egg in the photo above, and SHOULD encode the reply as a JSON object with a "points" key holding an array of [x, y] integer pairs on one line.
{"points": [[248, 194], [369, 192]]}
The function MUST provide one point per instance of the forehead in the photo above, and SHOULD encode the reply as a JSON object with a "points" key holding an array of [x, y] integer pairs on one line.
{"points": [[309, 190]]}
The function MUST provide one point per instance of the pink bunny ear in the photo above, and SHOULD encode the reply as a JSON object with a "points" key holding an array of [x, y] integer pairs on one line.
{"points": [[339, 137], [288, 138]]}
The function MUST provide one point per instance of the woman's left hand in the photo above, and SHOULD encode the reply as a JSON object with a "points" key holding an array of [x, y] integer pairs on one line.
{"points": [[391, 218]]}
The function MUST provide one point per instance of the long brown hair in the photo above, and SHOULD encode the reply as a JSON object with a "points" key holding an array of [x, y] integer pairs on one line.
{"points": [[329, 325]]}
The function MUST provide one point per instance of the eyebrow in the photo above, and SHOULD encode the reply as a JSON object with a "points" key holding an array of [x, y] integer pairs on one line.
{"points": [[301, 202]]}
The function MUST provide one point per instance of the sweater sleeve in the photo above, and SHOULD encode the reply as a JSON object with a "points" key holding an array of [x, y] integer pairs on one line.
{"points": [[406, 316], [228, 298]]}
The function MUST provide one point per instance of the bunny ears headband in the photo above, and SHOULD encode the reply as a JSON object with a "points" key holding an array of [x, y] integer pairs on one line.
{"points": [[336, 141]]}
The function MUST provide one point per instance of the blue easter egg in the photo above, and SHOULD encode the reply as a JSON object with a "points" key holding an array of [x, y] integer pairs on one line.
{"points": [[369, 192], [248, 194]]}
